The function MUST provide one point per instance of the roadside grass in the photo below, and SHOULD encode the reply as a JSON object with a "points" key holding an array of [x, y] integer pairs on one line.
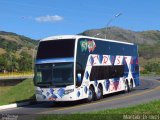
{"points": [[21, 92], [4, 89], [151, 109]]}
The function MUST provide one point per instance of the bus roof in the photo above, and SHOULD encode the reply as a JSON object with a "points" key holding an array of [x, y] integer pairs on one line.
{"points": [[80, 36]]}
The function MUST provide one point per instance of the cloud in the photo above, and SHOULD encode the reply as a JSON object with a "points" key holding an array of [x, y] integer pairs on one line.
{"points": [[49, 18]]}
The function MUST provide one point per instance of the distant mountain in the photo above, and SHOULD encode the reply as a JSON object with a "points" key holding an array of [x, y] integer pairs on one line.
{"points": [[15, 43], [146, 37], [148, 44]]}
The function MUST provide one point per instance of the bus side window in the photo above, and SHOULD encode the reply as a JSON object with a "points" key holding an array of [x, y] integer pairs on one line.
{"points": [[106, 72], [116, 71], [113, 72]]}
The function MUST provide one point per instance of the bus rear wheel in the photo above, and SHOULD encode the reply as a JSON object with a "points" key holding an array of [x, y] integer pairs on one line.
{"points": [[131, 86], [126, 87]]}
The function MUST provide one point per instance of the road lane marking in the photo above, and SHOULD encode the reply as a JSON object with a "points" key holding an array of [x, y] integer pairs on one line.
{"points": [[102, 101]]}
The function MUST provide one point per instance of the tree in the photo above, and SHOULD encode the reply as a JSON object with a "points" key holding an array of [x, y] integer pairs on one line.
{"points": [[25, 62]]}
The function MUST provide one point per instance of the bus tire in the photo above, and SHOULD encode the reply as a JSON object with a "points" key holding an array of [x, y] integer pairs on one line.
{"points": [[91, 94], [99, 94], [126, 87]]}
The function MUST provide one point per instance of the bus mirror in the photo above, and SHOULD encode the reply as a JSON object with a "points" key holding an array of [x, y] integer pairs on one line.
{"points": [[79, 77]]}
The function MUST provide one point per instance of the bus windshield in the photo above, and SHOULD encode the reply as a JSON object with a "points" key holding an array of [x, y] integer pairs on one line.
{"points": [[54, 75]]}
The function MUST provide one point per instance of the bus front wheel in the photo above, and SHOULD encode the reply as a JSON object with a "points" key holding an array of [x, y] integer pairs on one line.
{"points": [[91, 94], [99, 94]]}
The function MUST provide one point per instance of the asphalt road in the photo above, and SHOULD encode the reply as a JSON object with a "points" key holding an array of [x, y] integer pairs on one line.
{"points": [[148, 91]]}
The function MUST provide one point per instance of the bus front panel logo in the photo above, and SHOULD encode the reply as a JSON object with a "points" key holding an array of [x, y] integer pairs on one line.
{"points": [[84, 45], [90, 45]]}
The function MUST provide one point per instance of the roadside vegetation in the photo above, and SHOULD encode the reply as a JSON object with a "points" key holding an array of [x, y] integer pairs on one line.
{"points": [[20, 92], [9, 62], [149, 59], [147, 110]]}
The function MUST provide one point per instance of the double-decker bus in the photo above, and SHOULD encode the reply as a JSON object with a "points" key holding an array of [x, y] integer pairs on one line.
{"points": [[74, 67]]}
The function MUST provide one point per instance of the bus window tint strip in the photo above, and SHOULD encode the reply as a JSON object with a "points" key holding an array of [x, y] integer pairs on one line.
{"points": [[56, 60]]}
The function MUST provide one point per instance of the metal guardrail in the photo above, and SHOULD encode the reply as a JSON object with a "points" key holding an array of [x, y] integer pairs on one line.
{"points": [[15, 77]]}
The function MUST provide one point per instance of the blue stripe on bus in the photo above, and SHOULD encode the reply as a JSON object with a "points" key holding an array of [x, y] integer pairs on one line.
{"points": [[55, 60]]}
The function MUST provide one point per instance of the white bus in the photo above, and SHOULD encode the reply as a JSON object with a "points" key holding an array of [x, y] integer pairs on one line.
{"points": [[74, 67]]}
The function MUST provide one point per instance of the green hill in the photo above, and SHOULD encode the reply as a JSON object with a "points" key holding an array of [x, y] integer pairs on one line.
{"points": [[16, 52]]}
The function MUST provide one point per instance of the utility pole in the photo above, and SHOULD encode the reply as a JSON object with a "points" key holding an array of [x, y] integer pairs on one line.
{"points": [[113, 18]]}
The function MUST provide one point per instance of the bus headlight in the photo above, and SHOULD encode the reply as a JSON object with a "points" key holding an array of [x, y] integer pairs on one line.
{"points": [[69, 91]]}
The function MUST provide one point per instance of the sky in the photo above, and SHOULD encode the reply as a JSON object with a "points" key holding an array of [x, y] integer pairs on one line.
{"points": [[38, 19]]}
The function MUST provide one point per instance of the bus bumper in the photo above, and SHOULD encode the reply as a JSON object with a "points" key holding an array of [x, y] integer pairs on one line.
{"points": [[56, 94]]}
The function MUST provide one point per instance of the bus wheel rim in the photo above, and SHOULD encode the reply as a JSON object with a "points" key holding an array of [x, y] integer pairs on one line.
{"points": [[126, 87], [90, 96], [98, 93]]}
